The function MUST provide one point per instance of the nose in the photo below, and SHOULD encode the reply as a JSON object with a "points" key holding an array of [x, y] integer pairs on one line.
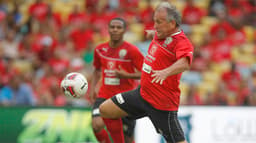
{"points": [[155, 25]]}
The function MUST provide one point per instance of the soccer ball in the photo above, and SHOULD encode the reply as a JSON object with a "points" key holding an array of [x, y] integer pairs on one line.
{"points": [[74, 84]]}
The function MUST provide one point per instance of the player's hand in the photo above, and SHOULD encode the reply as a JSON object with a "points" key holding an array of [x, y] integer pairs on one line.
{"points": [[150, 34], [159, 76], [121, 73]]}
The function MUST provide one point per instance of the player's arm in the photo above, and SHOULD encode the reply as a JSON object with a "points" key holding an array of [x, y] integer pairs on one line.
{"points": [[95, 78], [179, 66], [121, 73]]}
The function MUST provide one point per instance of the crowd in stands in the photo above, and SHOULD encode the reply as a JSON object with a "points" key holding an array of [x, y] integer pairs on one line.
{"points": [[43, 40]]}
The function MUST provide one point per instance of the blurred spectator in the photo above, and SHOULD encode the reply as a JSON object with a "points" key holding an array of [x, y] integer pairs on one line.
{"points": [[10, 45], [193, 97], [77, 16], [3, 25], [45, 42], [243, 92], [146, 16], [192, 14], [232, 78], [21, 92], [38, 10], [81, 36], [215, 5], [14, 18], [252, 79], [5, 94], [238, 7], [58, 63], [220, 48], [238, 35], [219, 96], [200, 63], [252, 98], [52, 19], [222, 24]]}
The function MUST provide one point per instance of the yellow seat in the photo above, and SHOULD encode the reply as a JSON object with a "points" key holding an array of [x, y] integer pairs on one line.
{"points": [[204, 4], [197, 39], [199, 28], [211, 76], [206, 87], [248, 48], [208, 21], [219, 68], [249, 32]]}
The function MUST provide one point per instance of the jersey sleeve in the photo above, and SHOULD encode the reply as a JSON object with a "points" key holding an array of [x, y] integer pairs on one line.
{"points": [[184, 49], [96, 59], [137, 57]]}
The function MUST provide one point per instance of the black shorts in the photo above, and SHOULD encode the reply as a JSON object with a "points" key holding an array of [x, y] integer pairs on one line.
{"points": [[165, 122], [128, 123]]}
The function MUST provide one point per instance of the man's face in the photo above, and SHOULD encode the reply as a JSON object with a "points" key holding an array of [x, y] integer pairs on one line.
{"points": [[162, 26], [116, 30]]}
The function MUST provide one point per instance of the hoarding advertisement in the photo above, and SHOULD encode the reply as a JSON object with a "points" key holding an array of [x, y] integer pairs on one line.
{"points": [[211, 125], [73, 125], [46, 125]]}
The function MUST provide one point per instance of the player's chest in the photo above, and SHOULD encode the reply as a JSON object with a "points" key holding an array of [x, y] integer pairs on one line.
{"points": [[160, 51], [113, 54]]}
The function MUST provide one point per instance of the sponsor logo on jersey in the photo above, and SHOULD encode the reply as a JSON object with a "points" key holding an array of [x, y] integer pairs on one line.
{"points": [[105, 49], [167, 41], [153, 49], [122, 53], [111, 65]]}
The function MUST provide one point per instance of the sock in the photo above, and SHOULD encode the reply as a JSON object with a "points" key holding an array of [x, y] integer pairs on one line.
{"points": [[115, 128], [102, 136]]}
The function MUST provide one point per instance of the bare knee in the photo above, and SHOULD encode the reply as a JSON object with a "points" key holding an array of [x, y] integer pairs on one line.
{"points": [[97, 124], [104, 110]]}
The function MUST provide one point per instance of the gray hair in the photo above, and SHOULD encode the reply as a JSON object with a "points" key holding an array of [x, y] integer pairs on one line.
{"points": [[172, 12]]}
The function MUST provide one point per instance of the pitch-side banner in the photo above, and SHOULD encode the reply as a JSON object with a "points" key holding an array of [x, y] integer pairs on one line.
{"points": [[45, 125], [208, 125], [73, 125]]}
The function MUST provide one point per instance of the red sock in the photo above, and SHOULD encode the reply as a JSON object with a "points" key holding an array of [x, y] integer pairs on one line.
{"points": [[115, 128], [102, 136]]}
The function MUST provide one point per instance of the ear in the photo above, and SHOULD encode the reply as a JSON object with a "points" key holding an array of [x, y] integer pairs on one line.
{"points": [[172, 24]]}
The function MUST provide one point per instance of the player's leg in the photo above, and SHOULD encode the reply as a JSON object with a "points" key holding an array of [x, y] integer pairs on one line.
{"points": [[167, 124], [109, 109], [115, 128], [113, 121], [128, 128], [98, 123], [123, 104]]}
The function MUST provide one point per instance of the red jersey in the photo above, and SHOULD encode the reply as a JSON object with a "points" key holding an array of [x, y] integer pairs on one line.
{"points": [[109, 59], [162, 54]]}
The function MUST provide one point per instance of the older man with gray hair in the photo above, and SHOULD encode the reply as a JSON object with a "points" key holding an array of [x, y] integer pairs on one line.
{"points": [[170, 53]]}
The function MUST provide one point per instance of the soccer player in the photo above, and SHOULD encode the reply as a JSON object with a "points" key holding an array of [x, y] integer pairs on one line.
{"points": [[169, 54], [117, 63]]}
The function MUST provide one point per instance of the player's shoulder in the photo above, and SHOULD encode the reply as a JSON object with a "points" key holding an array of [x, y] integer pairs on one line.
{"points": [[181, 38], [129, 46], [102, 45]]}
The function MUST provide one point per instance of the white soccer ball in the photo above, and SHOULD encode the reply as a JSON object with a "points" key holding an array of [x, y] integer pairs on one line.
{"points": [[74, 84]]}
